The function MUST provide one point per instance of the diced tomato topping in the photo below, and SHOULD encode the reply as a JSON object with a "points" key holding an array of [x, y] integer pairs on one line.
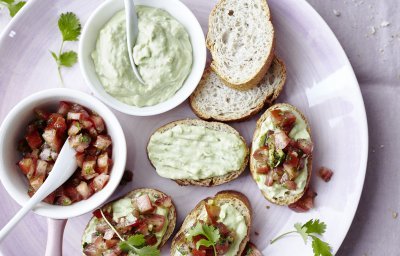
{"points": [[80, 142], [86, 123], [63, 108], [325, 173], [291, 185], [51, 138], [213, 212], [196, 252], [80, 158], [223, 229], [281, 139], [151, 239], [144, 204], [305, 203], [156, 220], [103, 162], [36, 182], [264, 169], [97, 214], [164, 201], [84, 190], [41, 114], [33, 138], [28, 166], [75, 128], [143, 229], [261, 154], [284, 119], [102, 142], [222, 248], [41, 168], [72, 193], [64, 200], [50, 198], [292, 159], [88, 168], [110, 243], [100, 182], [60, 125], [98, 123], [74, 116], [93, 132], [270, 180], [305, 145], [109, 234]]}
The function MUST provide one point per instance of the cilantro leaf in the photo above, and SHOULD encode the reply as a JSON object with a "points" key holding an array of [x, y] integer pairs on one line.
{"points": [[134, 243], [7, 1], [204, 242], [320, 248], [70, 26], [196, 230], [302, 231], [13, 7], [54, 56], [315, 227], [68, 59], [148, 251], [212, 233]]}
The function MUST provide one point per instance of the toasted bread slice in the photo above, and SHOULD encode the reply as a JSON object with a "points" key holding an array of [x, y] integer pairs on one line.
{"points": [[289, 197], [212, 100], [241, 40], [180, 151], [151, 192], [233, 198], [251, 250]]}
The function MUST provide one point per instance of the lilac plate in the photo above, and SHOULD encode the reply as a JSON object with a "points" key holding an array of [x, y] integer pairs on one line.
{"points": [[320, 82]]}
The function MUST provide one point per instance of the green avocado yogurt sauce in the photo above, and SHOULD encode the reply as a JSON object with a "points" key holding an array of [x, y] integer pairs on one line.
{"points": [[195, 152], [163, 54], [299, 131], [234, 220]]}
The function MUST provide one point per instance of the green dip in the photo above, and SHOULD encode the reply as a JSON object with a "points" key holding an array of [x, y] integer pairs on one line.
{"points": [[163, 54], [299, 131], [195, 152]]}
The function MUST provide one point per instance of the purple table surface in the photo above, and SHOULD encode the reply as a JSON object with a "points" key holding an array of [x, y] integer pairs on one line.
{"points": [[369, 31]]}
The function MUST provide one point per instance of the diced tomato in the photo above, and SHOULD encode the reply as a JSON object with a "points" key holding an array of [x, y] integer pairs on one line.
{"points": [[261, 154], [281, 139], [98, 123], [50, 198], [270, 180], [305, 145], [213, 212], [63, 108], [108, 234], [97, 214], [84, 190], [51, 138], [74, 128], [100, 182], [72, 193], [28, 166], [284, 119], [64, 200], [34, 154], [196, 252], [36, 182], [93, 132], [222, 248], [102, 142], [88, 168], [264, 169], [156, 220], [143, 229], [110, 243], [292, 159], [41, 168], [291, 185], [305, 203], [74, 116], [144, 204], [103, 163], [164, 201], [325, 173], [223, 229], [80, 142], [151, 239], [60, 125], [41, 114], [86, 123], [80, 157], [33, 138]]}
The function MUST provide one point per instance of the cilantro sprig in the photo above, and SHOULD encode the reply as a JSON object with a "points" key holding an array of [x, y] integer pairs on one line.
{"points": [[211, 233], [12, 6], [134, 244], [70, 28], [311, 229]]}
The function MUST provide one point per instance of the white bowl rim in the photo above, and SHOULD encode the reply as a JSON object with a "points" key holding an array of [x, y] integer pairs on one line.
{"points": [[199, 54], [84, 206]]}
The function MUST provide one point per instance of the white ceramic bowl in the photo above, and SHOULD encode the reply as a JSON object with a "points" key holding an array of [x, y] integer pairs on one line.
{"points": [[88, 42], [13, 128]]}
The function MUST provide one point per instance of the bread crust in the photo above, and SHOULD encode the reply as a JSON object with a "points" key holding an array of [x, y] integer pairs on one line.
{"points": [[253, 169], [239, 200], [269, 99], [172, 215], [213, 181], [258, 76]]}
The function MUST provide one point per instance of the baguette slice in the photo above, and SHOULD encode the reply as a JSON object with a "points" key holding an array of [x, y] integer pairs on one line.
{"points": [[287, 199], [234, 198], [241, 40], [157, 193], [211, 181], [251, 250], [212, 100]]}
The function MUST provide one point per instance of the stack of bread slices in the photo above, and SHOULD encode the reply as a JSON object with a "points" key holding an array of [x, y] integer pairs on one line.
{"points": [[244, 75]]}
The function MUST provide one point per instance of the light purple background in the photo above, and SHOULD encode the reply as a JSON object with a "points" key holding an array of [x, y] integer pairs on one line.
{"points": [[373, 50]]}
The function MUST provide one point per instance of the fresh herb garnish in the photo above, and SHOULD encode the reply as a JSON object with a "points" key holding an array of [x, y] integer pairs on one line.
{"points": [[311, 229], [12, 6], [70, 28], [135, 243], [211, 233]]}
